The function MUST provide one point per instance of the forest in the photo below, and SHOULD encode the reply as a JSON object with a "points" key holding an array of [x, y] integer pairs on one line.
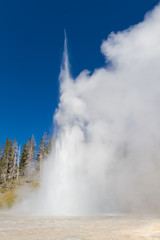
{"points": [[17, 164]]}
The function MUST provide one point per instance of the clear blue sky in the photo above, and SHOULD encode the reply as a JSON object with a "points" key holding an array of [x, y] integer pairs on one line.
{"points": [[31, 47]]}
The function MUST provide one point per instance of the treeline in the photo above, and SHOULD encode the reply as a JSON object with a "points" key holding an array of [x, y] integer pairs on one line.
{"points": [[25, 162]]}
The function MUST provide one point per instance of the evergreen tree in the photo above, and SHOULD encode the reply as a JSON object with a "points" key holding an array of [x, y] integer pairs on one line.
{"points": [[18, 161], [43, 150], [6, 158], [50, 144], [43, 147], [27, 158], [31, 150], [12, 164], [23, 159], [1, 161], [1, 151]]}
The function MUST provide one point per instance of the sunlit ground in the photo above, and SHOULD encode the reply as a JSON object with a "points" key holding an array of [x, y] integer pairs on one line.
{"points": [[14, 227]]}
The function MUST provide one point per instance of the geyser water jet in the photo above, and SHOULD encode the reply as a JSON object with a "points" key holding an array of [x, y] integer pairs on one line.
{"points": [[106, 156]]}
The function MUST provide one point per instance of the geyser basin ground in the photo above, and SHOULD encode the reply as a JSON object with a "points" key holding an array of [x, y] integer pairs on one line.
{"points": [[14, 227]]}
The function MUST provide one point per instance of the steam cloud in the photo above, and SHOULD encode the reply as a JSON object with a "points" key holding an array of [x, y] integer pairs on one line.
{"points": [[106, 158]]}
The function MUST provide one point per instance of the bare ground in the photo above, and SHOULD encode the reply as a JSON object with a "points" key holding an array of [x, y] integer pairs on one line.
{"points": [[14, 227]]}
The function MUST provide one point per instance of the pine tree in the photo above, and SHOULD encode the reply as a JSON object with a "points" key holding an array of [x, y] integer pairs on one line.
{"points": [[1, 161], [23, 160], [15, 156], [43, 147], [18, 161], [50, 144], [12, 164], [43, 151], [30, 157], [30, 151], [1, 151], [6, 158]]}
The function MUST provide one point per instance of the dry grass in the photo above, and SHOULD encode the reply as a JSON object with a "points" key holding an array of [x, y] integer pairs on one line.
{"points": [[8, 194], [7, 199]]}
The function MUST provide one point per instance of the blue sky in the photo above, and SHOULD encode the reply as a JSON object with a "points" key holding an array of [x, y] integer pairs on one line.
{"points": [[31, 48]]}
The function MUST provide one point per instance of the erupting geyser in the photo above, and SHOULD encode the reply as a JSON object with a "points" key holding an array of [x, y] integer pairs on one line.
{"points": [[106, 156]]}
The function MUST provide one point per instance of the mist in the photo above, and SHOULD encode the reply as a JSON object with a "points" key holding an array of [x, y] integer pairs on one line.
{"points": [[106, 154]]}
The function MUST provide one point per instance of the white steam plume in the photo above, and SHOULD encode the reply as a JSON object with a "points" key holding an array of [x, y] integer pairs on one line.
{"points": [[106, 156]]}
